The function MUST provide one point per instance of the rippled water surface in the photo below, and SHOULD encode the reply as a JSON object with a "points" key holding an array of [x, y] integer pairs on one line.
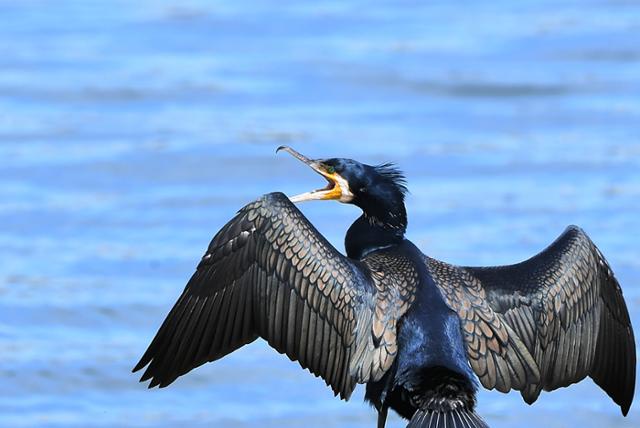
{"points": [[130, 132]]}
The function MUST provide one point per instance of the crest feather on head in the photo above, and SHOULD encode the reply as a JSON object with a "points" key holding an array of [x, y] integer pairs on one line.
{"points": [[390, 172]]}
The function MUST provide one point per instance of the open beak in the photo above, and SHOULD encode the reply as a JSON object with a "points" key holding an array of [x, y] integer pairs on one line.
{"points": [[337, 187]]}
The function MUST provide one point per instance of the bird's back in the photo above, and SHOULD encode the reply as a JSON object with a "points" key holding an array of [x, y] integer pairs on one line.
{"points": [[431, 354]]}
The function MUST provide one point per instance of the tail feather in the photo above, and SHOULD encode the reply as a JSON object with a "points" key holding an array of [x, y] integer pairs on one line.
{"points": [[455, 418]]}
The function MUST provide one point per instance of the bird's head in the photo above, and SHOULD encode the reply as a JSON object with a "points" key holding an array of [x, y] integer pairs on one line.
{"points": [[378, 190]]}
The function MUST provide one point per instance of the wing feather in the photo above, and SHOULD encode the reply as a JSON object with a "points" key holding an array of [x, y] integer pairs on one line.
{"points": [[567, 308], [269, 273], [494, 350]]}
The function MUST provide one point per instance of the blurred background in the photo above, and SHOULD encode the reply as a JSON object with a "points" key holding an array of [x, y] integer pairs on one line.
{"points": [[130, 132]]}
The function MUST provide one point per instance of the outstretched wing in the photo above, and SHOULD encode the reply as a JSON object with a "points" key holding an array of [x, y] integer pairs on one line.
{"points": [[269, 273], [566, 307], [496, 352]]}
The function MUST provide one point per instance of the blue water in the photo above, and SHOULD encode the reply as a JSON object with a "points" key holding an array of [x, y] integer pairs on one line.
{"points": [[130, 132]]}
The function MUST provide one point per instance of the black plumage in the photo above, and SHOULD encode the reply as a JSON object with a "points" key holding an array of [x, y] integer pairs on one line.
{"points": [[416, 330]]}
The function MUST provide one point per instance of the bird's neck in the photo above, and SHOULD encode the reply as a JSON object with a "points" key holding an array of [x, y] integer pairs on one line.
{"points": [[375, 230]]}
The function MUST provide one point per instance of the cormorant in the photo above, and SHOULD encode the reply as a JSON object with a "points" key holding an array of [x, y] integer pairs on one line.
{"points": [[416, 330]]}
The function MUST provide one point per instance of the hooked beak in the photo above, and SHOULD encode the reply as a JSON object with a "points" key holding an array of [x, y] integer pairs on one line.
{"points": [[336, 189]]}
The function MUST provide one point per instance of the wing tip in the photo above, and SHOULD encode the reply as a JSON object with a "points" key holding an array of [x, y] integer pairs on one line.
{"points": [[156, 382], [625, 408], [149, 375], [141, 364], [626, 401]]}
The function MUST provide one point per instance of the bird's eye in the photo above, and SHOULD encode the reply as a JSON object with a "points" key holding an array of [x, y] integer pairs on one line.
{"points": [[331, 170]]}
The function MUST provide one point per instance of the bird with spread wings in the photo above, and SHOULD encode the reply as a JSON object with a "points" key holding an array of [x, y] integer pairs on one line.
{"points": [[415, 330]]}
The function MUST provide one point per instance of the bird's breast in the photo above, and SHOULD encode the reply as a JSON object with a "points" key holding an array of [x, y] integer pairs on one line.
{"points": [[429, 334]]}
